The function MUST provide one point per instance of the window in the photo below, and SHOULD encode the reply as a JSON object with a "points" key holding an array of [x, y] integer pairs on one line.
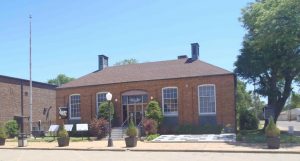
{"points": [[100, 97], [170, 101], [207, 99], [74, 106]]}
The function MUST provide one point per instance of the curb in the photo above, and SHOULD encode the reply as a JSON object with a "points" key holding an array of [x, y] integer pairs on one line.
{"points": [[162, 150]]}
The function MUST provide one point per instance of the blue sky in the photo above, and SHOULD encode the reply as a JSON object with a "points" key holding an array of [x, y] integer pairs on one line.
{"points": [[68, 35]]}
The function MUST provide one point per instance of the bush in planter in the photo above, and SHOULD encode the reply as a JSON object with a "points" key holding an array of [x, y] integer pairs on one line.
{"points": [[63, 138], [150, 126], [131, 132], [273, 135], [99, 128], [2, 135], [12, 128], [154, 112]]}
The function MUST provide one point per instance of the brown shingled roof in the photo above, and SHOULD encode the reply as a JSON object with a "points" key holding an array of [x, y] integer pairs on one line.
{"points": [[180, 68]]}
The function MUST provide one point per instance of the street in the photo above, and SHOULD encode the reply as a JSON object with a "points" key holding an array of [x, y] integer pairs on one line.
{"points": [[69, 155]]}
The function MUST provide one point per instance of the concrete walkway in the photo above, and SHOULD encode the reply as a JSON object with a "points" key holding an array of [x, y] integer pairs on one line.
{"points": [[162, 147]]}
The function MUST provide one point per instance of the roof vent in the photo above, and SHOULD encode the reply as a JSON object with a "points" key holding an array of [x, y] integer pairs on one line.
{"points": [[195, 51], [182, 57], [102, 62]]}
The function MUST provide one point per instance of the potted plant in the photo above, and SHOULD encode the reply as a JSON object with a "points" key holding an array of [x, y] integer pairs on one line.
{"points": [[131, 132], [2, 135], [63, 138], [273, 135]]}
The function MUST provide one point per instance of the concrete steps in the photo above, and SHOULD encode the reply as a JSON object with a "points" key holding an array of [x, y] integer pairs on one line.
{"points": [[117, 133]]}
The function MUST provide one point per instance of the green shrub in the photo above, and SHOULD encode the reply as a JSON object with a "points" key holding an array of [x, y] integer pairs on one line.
{"points": [[103, 111], [99, 128], [271, 130], [248, 120], [62, 132], [152, 136], [131, 131], [150, 126], [154, 112], [12, 128], [2, 132], [193, 129]]}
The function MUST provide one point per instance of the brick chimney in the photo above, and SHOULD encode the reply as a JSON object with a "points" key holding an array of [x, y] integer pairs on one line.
{"points": [[195, 51], [102, 62]]}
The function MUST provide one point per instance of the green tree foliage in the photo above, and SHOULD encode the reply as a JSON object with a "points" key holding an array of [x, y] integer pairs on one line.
{"points": [[154, 112], [126, 61], [2, 132], [12, 128], [103, 111], [271, 49], [243, 98], [248, 120], [60, 79], [293, 102]]}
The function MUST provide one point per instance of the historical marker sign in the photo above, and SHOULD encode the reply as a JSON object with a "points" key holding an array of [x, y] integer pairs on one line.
{"points": [[63, 112], [268, 112]]}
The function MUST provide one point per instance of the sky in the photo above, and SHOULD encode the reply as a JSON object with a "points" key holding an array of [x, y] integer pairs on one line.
{"points": [[68, 36]]}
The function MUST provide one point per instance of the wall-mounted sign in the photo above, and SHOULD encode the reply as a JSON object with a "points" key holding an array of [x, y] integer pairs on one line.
{"points": [[63, 112]]}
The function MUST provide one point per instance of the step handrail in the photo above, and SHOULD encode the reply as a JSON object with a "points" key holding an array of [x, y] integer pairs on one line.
{"points": [[122, 126]]}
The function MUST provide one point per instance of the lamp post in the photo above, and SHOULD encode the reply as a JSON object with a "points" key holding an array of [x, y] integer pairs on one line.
{"points": [[108, 98]]}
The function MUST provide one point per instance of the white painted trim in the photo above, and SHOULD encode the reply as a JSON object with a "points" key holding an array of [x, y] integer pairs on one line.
{"points": [[97, 102], [162, 101], [215, 92], [74, 118]]}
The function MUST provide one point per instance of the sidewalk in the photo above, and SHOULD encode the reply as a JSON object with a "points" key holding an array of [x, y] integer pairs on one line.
{"points": [[162, 147]]}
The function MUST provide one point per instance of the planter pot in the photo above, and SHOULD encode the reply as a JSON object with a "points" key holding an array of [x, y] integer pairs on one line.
{"points": [[131, 141], [63, 141], [273, 142], [2, 141]]}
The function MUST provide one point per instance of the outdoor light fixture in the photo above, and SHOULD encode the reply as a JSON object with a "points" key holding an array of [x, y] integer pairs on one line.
{"points": [[108, 98]]}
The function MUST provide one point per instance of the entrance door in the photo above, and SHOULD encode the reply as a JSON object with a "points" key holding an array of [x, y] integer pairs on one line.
{"points": [[134, 104], [135, 112]]}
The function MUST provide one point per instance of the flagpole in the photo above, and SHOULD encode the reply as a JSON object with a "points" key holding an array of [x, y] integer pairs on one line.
{"points": [[30, 88]]}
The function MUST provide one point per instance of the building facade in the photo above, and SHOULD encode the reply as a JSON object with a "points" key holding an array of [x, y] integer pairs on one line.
{"points": [[188, 90], [12, 103]]}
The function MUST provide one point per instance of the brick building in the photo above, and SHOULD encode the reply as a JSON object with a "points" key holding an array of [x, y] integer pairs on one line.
{"points": [[43, 101], [189, 91]]}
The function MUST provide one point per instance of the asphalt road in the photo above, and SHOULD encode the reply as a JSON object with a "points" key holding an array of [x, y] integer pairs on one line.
{"points": [[63, 155]]}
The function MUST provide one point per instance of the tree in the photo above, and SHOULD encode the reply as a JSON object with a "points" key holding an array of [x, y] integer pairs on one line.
{"points": [[60, 79], [243, 98], [270, 56], [103, 111], [126, 61], [154, 112], [293, 102]]}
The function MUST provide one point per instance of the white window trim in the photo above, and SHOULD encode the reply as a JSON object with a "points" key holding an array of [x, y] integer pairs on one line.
{"points": [[163, 110], [97, 102], [210, 113], [70, 117]]}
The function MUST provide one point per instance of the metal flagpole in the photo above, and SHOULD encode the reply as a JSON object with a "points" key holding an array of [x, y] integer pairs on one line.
{"points": [[30, 88]]}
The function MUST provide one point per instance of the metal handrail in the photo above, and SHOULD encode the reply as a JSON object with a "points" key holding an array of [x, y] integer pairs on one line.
{"points": [[125, 122], [122, 126]]}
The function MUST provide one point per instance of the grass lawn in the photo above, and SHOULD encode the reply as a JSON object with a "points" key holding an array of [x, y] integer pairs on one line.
{"points": [[258, 136]]}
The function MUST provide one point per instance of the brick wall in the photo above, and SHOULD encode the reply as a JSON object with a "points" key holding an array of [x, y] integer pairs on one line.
{"points": [[10, 103], [187, 97]]}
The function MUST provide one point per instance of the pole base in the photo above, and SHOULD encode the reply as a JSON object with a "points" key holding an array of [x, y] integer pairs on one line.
{"points": [[110, 142]]}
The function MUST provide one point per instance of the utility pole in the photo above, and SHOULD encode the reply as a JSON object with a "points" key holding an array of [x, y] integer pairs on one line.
{"points": [[30, 88]]}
